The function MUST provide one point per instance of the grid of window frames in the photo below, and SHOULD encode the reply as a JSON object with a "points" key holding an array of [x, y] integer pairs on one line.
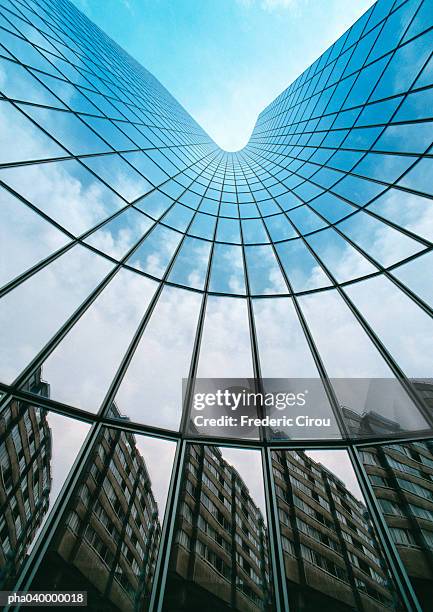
{"points": [[136, 253]]}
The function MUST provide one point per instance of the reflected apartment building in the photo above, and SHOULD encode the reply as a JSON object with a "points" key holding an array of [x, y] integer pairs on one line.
{"points": [[219, 559], [25, 456], [109, 541], [331, 555], [402, 479]]}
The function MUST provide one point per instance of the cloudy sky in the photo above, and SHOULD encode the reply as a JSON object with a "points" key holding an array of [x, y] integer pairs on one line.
{"points": [[225, 60]]}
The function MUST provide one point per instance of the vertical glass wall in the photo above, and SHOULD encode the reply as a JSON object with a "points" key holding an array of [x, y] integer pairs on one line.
{"points": [[137, 257]]}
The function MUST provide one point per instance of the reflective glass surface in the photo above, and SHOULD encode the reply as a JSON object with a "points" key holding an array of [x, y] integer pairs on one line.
{"points": [[136, 256]]}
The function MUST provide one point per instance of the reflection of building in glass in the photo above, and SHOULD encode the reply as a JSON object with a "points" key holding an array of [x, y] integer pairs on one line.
{"points": [[152, 255], [25, 454], [109, 541], [402, 478], [219, 557], [331, 555]]}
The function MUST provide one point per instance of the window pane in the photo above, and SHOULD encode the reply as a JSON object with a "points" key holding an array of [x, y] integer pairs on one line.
{"points": [[264, 273], [118, 236], [221, 533], [108, 538], [151, 390], [35, 461], [155, 253], [417, 276], [413, 344], [66, 191], [332, 555], [401, 476], [225, 350], [343, 261], [303, 270], [286, 360], [34, 311], [227, 274], [191, 263], [18, 225], [21, 140], [115, 314]]}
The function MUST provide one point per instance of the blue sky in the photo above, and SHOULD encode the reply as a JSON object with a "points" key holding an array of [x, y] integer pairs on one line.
{"points": [[225, 60]]}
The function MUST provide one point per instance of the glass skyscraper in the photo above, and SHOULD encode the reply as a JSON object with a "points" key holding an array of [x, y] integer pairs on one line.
{"points": [[138, 259]]}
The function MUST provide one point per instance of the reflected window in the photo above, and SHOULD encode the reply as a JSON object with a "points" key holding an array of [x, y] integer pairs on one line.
{"points": [[332, 557], [109, 535], [220, 553]]}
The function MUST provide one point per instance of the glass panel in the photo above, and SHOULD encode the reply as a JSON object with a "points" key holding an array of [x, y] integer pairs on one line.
{"points": [[34, 311], [408, 210], [203, 226], [65, 191], [228, 230], [115, 314], [68, 129], [227, 274], [419, 177], [332, 556], [282, 355], [343, 261], [401, 476], [347, 352], [191, 264], [379, 240], [285, 358], [413, 344], [118, 236], [331, 207], [18, 225], [35, 461], [21, 140], [303, 271], [154, 204], [155, 253], [225, 350], [305, 220], [220, 557], [264, 273], [253, 231], [108, 539], [383, 167], [151, 390], [279, 227], [119, 175], [411, 138], [19, 84], [417, 276], [179, 217], [352, 361]]}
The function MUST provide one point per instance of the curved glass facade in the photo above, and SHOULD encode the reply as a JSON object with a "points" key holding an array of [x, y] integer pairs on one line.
{"points": [[139, 260]]}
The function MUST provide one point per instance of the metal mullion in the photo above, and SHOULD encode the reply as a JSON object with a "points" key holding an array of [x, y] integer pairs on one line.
{"points": [[388, 547], [310, 341], [186, 400], [274, 534], [255, 354], [252, 328], [167, 532], [118, 377]]}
